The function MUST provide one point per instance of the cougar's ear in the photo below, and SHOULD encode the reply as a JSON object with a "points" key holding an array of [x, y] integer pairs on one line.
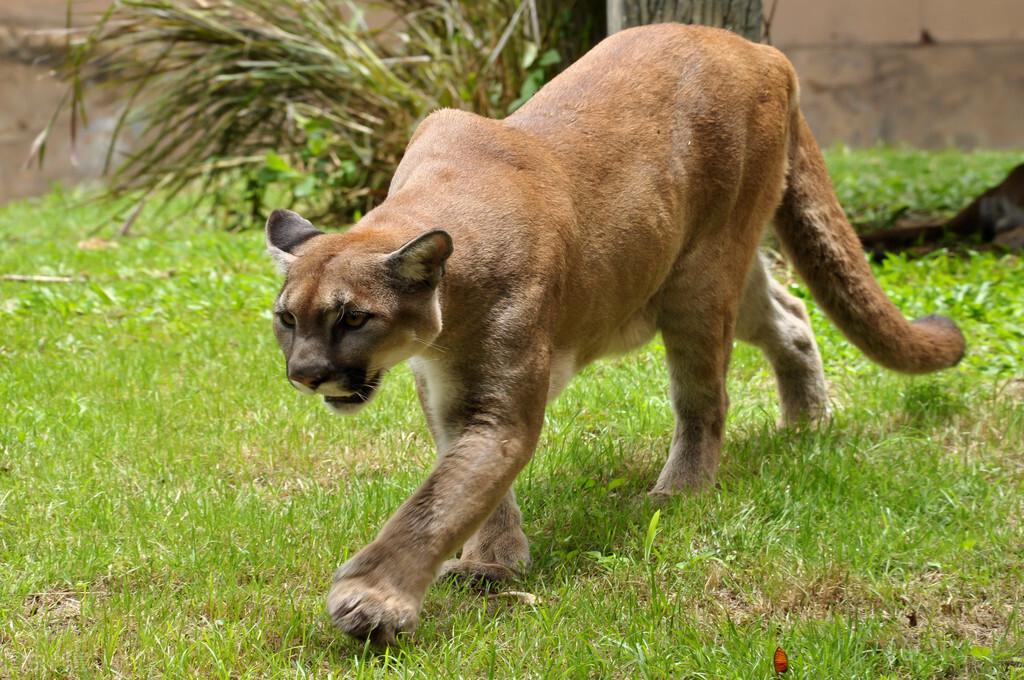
{"points": [[420, 262], [286, 231]]}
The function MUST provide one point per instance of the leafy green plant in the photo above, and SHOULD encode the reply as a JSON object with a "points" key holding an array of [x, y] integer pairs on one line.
{"points": [[537, 74], [879, 186], [301, 102]]}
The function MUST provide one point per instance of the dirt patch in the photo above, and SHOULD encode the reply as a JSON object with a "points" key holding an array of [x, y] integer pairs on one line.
{"points": [[61, 609], [1014, 390], [808, 596], [930, 602]]}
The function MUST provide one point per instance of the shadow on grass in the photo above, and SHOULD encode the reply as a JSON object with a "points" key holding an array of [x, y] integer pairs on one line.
{"points": [[929, 404], [601, 505]]}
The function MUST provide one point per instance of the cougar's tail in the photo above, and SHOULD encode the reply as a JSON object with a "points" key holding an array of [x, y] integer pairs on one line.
{"points": [[827, 254]]}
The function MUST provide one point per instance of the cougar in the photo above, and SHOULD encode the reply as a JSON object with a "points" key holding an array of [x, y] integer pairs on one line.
{"points": [[626, 198]]}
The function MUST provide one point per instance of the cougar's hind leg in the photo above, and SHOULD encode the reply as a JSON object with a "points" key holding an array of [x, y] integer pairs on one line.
{"points": [[776, 322], [697, 326], [701, 300]]}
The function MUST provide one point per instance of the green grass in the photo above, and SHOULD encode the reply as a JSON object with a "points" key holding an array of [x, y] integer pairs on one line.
{"points": [[878, 186], [170, 507]]}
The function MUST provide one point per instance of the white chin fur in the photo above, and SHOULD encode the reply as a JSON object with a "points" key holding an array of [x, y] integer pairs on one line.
{"points": [[343, 409], [300, 387], [333, 390]]}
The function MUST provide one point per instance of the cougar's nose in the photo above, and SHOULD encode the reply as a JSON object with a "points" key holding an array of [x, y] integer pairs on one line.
{"points": [[308, 376]]}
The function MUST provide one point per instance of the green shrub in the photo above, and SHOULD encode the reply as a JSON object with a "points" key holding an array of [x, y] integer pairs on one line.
{"points": [[301, 102]]}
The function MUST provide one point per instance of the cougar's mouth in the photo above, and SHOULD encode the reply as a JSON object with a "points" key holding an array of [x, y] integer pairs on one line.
{"points": [[357, 398], [351, 399]]}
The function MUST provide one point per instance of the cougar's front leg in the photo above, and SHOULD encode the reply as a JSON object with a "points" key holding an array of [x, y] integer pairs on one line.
{"points": [[378, 593], [499, 549]]}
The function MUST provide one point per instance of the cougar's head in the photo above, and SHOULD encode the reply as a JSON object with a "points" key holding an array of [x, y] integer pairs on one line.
{"points": [[351, 307]]}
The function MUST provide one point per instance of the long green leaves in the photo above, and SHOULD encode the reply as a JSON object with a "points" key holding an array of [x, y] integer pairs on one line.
{"points": [[211, 87]]}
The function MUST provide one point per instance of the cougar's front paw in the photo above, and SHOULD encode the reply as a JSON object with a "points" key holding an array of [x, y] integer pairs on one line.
{"points": [[373, 610]]}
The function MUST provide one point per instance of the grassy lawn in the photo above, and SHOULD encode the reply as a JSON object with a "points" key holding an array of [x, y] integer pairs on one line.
{"points": [[170, 506]]}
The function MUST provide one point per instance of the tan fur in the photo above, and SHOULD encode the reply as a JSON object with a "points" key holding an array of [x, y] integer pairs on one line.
{"points": [[626, 197]]}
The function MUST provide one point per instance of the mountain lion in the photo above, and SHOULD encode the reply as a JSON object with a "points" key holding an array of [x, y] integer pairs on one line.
{"points": [[626, 198]]}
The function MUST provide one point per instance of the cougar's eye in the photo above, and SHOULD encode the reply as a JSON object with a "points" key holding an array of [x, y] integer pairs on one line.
{"points": [[353, 319], [287, 319]]}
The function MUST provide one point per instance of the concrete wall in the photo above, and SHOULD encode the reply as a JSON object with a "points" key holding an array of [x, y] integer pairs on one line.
{"points": [[32, 40], [816, 23], [958, 95], [928, 73]]}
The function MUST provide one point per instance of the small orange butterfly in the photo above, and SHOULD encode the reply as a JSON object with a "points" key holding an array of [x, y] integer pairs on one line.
{"points": [[780, 660]]}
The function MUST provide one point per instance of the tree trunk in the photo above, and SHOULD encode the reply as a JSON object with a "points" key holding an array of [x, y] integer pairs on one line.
{"points": [[741, 16]]}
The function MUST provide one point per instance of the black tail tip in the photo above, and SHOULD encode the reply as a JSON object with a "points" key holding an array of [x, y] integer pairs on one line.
{"points": [[955, 344]]}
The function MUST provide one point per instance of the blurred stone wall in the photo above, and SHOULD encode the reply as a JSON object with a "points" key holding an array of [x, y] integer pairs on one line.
{"points": [[32, 41], [927, 73]]}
